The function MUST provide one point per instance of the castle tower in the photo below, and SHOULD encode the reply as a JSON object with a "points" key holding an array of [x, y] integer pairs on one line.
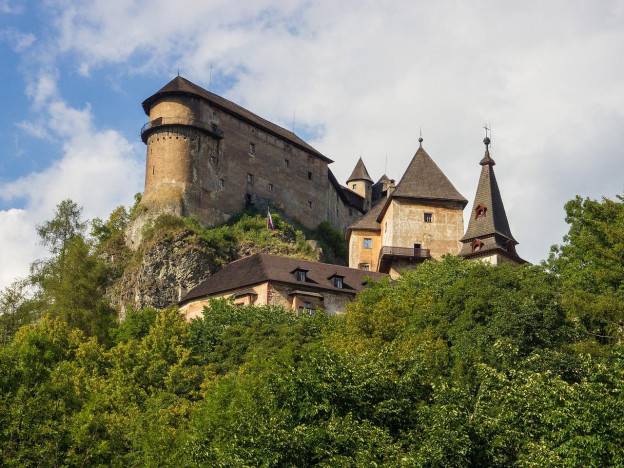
{"points": [[182, 138], [361, 183], [421, 218], [488, 236]]}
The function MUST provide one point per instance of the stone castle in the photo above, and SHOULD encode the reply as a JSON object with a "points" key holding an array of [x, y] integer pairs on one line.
{"points": [[210, 158]]}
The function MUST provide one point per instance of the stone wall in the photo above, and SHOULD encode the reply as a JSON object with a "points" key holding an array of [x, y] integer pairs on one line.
{"points": [[274, 294], [189, 172], [406, 226]]}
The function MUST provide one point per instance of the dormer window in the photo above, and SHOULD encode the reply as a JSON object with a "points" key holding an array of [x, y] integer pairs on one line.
{"points": [[337, 281], [301, 275], [477, 245], [480, 211]]}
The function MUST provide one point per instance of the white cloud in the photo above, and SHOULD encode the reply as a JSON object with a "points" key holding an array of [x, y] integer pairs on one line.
{"points": [[99, 169], [18, 40], [547, 75]]}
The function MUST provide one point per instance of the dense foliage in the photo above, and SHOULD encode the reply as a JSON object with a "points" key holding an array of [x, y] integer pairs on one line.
{"points": [[455, 364]]}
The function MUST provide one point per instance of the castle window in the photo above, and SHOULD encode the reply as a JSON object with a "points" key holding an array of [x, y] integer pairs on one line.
{"points": [[250, 179], [368, 243], [354, 186], [252, 149], [270, 187], [309, 175], [480, 211], [310, 203], [153, 169], [428, 217], [286, 163], [477, 245], [364, 266], [221, 183]]}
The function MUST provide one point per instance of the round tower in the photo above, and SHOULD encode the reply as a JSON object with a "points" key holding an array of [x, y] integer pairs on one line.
{"points": [[181, 137], [361, 183]]}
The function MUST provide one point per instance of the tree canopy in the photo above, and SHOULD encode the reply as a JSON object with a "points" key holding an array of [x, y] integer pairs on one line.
{"points": [[457, 363]]}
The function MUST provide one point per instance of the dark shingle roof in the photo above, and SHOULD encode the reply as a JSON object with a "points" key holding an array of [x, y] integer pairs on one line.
{"points": [[261, 267], [424, 179], [359, 172], [181, 85], [369, 221], [348, 196], [488, 195]]}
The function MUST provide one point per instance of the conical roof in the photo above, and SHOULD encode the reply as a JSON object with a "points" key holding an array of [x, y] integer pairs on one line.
{"points": [[489, 202], [360, 172], [424, 179]]}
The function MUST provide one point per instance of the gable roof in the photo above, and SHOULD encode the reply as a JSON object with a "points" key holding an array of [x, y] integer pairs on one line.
{"points": [[359, 172], [488, 196], [182, 86], [261, 267], [423, 179], [369, 222]]}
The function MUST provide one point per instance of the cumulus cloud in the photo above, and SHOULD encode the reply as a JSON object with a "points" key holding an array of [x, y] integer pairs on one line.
{"points": [[99, 169], [363, 76]]}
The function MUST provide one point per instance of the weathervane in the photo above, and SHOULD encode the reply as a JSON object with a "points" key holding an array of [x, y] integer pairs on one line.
{"points": [[420, 138], [488, 134]]}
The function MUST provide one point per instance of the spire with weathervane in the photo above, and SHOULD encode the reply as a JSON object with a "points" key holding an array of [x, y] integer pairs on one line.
{"points": [[488, 234]]}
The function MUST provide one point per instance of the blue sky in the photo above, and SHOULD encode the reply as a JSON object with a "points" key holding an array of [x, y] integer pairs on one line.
{"points": [[360, 77]]}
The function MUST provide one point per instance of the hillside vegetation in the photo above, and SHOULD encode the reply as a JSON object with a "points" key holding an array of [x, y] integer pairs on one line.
{"points": [[455, 364]]}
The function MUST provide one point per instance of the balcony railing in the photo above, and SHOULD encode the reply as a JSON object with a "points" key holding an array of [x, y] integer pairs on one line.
{"points": [[387, 255], [405, 252], [208, 127]]}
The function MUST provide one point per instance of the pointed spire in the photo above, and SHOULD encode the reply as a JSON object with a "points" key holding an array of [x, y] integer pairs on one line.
{"points": [[360, 172], [423, 179], [488, 228]]}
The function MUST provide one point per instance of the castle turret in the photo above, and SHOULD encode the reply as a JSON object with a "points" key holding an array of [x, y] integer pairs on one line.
{"points": [[361, 183], [182, 138], [488, 235]]}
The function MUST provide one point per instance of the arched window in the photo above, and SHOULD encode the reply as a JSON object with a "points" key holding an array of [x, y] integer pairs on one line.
{"points": [[480, 211], [477, 245]]}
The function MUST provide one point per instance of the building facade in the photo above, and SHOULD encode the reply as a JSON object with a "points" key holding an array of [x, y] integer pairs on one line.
{"points": [[295, 284], [209, 158]]}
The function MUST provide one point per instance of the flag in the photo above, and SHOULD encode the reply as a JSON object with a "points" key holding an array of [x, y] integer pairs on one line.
{"points": [[270, 220]]}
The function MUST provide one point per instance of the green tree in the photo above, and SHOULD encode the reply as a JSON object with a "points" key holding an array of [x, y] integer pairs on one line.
{"points": [[64, 226], [73, 289], [17, 308], [590, 263]]}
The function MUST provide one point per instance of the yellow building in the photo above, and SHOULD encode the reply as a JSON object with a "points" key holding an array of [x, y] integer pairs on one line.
{"points": [[420, 218]]}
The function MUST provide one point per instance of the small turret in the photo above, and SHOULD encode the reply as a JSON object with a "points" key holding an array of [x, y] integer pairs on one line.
{"points": [[361, 183], [488, 235]]}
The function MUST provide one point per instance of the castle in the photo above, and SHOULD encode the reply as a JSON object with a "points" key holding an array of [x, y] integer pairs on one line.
{"points": [[210, 158]]}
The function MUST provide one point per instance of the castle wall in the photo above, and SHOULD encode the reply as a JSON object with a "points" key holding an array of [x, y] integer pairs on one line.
{"points": [[358, 254], [406, 227], [270, 293], [192, 173]]}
